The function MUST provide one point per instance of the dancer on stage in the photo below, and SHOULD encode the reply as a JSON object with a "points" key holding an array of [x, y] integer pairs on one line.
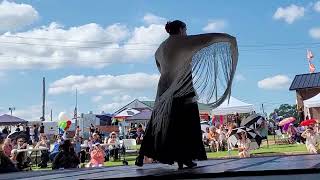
{"points": [[189, 67]]}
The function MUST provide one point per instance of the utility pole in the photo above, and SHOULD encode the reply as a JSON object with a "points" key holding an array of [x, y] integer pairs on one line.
{"points": [[263, 109], [75, 113], [43, 98], [51, 115], [11, 109]]}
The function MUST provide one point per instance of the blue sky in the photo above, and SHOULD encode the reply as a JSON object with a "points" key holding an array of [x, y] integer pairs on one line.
{"points": [[105, 49]]}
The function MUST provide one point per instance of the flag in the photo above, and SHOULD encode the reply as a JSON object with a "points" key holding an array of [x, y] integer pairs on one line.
{"points": [[309, 55], [312, 68]]}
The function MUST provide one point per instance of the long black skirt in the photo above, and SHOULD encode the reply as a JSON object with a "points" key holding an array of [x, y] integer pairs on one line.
{"points": [[183, 140]]}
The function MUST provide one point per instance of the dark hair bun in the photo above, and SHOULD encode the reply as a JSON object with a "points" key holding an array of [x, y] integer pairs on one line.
{"points": [[168, 27], [174, 27]]}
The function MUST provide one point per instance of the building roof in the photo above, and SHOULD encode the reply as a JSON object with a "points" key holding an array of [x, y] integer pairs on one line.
{"points": [[148, 103], [11, 120], [303, 81], [143, 115]]}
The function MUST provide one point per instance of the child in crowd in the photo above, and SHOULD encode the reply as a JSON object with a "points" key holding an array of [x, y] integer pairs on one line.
{"points": [[243, 145], [97, 156]]}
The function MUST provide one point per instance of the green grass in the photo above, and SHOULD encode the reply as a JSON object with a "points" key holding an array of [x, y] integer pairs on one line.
{"points": [[264, 150], [273, 149]]}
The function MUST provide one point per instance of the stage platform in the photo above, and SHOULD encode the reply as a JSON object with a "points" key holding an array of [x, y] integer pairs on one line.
{"points": [[284, 167]]}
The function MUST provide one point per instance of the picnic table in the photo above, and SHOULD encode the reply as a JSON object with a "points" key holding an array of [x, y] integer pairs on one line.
{"points": [[30, 150]]}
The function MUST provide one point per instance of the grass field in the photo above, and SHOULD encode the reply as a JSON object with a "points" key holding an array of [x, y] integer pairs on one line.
{"points": [[273, 149]]}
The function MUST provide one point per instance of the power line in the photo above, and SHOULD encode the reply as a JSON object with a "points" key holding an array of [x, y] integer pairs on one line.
{"points": [[156, 44], [257, 46]]}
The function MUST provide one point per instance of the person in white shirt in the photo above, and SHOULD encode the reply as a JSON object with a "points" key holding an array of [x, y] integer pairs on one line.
{"points": [[312, 140], [113, 145], [222, 137], [205, 136]]}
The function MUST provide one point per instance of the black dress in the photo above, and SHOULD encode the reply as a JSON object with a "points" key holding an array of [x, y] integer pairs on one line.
{"points": [[183, 141]]}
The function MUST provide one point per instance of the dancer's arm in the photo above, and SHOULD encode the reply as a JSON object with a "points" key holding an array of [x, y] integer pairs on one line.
{"points": [[196, 42]]}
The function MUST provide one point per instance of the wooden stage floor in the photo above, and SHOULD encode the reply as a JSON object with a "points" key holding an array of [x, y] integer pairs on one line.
{"points": [[286, 167]]}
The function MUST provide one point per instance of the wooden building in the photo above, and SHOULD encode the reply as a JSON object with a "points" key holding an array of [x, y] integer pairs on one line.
{"points": [[306, 87]]}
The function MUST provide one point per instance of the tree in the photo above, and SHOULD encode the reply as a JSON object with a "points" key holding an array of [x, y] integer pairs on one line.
{"points": [[285, 110]]}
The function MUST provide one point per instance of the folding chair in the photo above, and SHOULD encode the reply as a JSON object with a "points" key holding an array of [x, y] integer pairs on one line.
{"points": [[281, 138], [128, 146]]}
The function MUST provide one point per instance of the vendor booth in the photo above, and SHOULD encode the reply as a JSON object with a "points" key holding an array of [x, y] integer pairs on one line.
{"points": [[233, 106], [312, 107]]}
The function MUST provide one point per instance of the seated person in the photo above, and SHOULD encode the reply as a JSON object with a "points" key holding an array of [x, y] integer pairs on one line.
{"points": [[213, 138], [243, 145], [66, 158], [21, 143], [261, 130], [222, 137], [113, 146], [300, 130], [97, 156], [7, 147], [43, 143], [55, 149], [23, 161], [205, 137], [140, 133], [292, 133], [312, 140], [6, 165]]}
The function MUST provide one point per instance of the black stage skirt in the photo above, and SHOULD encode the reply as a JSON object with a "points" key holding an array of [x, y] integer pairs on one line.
{"points": [[183, 140]]}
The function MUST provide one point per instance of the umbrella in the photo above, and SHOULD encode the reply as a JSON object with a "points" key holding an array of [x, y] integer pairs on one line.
{"points": [[251, 134], [287, 121], [16, 135], [250, 120], [308, 122]]}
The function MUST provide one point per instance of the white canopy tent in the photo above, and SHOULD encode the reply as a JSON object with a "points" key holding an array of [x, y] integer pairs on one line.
{"points": [[312, 102], [233, 106]]}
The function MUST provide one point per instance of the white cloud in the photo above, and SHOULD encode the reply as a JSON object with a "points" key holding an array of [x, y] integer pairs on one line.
{"points": [[289, 13], [15, 16], [153, 19], [96, 99], [215, 26], [316, 6], [89, 45], [31, 113], [315, 33], [240, 77], [117, 103], [116, 84], [275, 82]]}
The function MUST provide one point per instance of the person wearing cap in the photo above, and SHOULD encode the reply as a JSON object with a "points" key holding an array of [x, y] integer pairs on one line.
{"points": [[95, 138], [312, 140]]}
